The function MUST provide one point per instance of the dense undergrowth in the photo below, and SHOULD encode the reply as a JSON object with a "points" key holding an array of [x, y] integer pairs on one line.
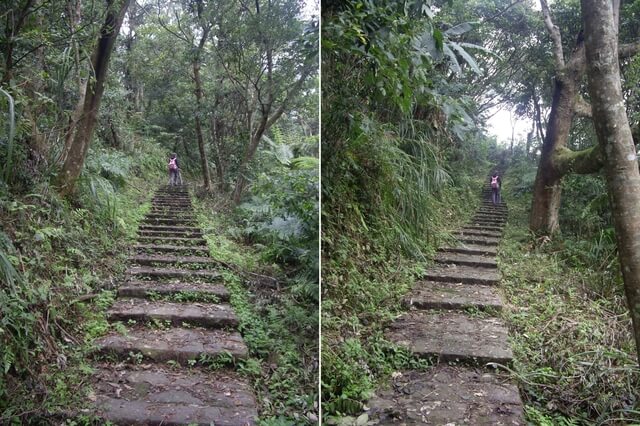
{"points": [[59, 261], [276, 300], [574, 354]]}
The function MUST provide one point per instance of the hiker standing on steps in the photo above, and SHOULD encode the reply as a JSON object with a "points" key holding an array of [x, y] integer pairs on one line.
{"points": [[496, 183], [174, 170]]}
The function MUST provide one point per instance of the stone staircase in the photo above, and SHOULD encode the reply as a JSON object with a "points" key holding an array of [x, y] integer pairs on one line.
{"points": [[155, 373], [453, 318]]}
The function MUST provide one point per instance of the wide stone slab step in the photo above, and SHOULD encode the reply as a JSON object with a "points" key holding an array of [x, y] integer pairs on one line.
{"points": [[187, 240], [448, 395], [452, 336], [478, 232], [176, 343], [168, 220], [141, 271], [143, 289], [145, 395], [172, 248], [471, 249], [142, 259], [466, 259], [437, 295], [144, 230], [168, 215], [484, 218], [201, 314], [173, 228], [471, 239], [464, 274], [499, 229]]}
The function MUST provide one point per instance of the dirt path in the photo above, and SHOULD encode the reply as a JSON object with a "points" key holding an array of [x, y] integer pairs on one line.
{"points": [[454, 317], [152, 372]]}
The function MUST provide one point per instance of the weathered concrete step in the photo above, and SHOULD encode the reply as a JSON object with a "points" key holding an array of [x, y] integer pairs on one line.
{"points": [[169, 215], [172, 249], [452, 336], [489, 218], [464, 274], [437, 295], [483, 228], [170, 201], [176, 343], [471, 249], [172, 222], [486, 223], [466, 260], [448, 395], [200, 314], [188, 241], [471, 239], [144, 289], [140, 395], [172, 206], [139, 271], [142, 259], [169, 230], [477, 233]]}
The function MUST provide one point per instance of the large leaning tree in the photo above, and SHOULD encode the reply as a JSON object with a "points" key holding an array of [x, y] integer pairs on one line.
{"points": [[568, 102]]}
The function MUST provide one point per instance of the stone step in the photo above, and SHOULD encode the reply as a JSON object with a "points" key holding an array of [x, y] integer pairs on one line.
{"points": [[169, 215], [137, 394], [489, 217], [483, 212], [471, 249], [437, 295], [466, 260], [483, 228], [145, 289], [175, 343], [161, 230], [171, 222], [486, 241], [173, 228], [452, 336], [480, 232], [142, 271], [204, 250], [486, 223], [142, 259], [463, 274], [168, 239], [201, 314], [448, 395]]}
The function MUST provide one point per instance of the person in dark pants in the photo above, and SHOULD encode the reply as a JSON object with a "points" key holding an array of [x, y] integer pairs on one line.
{"points": [[496, 183], [174, 169]]}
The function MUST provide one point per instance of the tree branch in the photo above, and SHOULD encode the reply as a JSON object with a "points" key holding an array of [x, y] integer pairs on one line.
{"points": [[554, 33], [584, 162]]}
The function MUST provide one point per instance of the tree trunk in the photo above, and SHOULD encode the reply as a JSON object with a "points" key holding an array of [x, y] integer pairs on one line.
{"points": [[206, 177], [616, 142], [545, 205], [216, 138], [79, 147]]}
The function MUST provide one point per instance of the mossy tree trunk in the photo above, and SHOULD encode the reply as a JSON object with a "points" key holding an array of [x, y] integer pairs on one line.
{"points": [[616, 142], [557, 160]]}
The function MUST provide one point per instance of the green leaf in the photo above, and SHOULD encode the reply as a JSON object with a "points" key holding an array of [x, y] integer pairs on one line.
{"points": [[458, 29], [468, 59], [439, 39], [453, 61]]}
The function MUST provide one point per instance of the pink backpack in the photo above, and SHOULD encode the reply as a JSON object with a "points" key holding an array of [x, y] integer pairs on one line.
{"points": [[494, 182], [172, 164]]}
